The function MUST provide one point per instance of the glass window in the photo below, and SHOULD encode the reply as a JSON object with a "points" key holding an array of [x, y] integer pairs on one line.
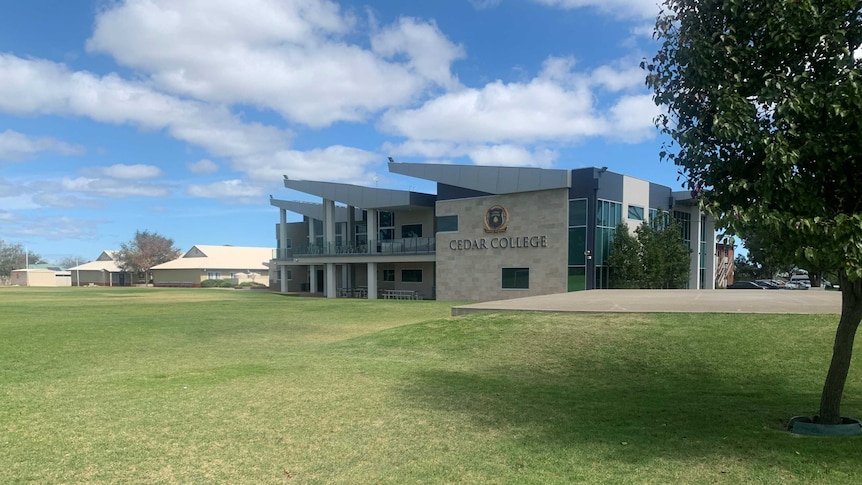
{"points": [[386, 219], [213, 275], [447, 224], [577, 279], [636, 213], [411, 276], [388, 275], [289, 274], [516, 278], [577, 245], [411, 230], [386, 234], [578, 212], [288, 243]]}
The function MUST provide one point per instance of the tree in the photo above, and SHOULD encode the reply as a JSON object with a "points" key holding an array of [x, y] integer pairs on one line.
{"points": [[71, 261], [14, 256], [667, 258], [763, 108], [625, 259], [145, 250], [655, 257]]}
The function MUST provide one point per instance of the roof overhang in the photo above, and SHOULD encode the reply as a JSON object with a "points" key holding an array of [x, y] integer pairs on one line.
{"points": [[364, 197], [314, 210], [491, 180]]}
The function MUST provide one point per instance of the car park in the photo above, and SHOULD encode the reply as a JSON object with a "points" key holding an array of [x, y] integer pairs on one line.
{"points": [[745, 285]]}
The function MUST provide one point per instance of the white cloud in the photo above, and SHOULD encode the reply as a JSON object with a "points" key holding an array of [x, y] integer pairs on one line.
{"points": [[632, 117], [558, 105], [15, 147], [510, 155], [335, 163], [8, 189], [500, 112], [35, 87], [291, 57], [131, 172], [52, 228], [202, 167], [429, 52], [112, 188], [47, 199], [228, 189], [615, 8]]}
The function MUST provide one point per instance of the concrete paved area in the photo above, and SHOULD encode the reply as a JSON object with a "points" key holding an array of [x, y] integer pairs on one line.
{"points": [[670, 301]]}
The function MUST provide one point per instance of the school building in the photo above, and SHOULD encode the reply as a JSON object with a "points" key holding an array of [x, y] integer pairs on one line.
{"points": [[489, 233]]}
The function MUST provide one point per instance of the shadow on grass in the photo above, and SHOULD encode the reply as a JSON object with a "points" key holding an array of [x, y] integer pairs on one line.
{"points": [[688, 413]]}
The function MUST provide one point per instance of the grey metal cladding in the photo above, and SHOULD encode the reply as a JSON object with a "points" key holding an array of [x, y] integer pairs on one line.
{"points": [[490, 180], [610, 186], [659, 196], [312, 209], [355, 195]]}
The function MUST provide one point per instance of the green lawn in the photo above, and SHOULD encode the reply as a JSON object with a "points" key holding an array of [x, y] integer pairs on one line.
{"points": [[223, 386]]}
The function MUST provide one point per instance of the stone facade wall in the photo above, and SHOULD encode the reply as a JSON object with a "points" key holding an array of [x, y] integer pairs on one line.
{"points": [[475, 274]]}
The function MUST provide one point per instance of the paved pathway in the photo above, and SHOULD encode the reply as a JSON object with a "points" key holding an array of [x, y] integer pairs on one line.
{"points": [[672, 301]]}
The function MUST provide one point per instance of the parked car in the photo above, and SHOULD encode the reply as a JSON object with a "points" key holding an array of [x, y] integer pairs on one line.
{"points": [[745, 285], [768, 284]]}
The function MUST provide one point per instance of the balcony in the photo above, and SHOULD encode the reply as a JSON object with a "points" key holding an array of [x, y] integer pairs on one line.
{"points": [[413, 245]]}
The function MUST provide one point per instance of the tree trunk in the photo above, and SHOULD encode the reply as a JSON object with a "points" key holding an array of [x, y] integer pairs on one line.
{"points": [[842, 350]]}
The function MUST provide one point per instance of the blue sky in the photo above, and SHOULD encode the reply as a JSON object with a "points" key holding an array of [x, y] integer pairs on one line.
{"points": [[181, 116]]}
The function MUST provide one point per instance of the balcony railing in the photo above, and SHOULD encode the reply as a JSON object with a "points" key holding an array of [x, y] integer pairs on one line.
{"points": [[413, 245]]}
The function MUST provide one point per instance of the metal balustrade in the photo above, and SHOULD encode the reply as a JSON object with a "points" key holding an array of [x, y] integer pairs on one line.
{"points": [[413, 245]]}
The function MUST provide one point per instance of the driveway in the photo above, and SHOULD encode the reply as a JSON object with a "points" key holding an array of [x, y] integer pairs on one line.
{"points": [[670, 301]]}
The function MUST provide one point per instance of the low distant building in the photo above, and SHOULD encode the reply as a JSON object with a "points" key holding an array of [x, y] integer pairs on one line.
{"points": [[39, 277], [101, 272], [724, 266], [234, 263]]}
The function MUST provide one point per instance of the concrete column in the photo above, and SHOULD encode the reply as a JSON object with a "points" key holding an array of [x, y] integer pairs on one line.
{"points": [[329, 223], [312, 278], [694, 236], [282, 235], [372, 230], [372, 281], [283, 270], [329, 281]]}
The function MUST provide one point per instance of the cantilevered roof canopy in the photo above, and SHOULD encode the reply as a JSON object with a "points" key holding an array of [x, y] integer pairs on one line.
{"points": [[491, 180], [364, 197], [313, 210]]}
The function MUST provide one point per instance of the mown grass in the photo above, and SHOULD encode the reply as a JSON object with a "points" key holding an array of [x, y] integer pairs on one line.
{"points": [[222, 386]]}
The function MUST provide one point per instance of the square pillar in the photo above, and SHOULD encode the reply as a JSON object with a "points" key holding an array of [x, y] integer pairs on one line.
{"points": [[372, 281]]}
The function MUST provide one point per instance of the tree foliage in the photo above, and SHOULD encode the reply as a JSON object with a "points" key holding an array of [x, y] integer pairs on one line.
{"points": [[764, 102], [145, 250], [656, 256], [71, 261], [14, 256]]}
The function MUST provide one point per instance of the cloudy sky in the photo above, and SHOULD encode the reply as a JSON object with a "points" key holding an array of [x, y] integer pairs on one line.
{"points": [[182, 116]]}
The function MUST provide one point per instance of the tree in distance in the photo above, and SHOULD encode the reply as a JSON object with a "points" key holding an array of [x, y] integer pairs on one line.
{"points": [[14, 256], [764, 109], [656, 256], [145, 250]]}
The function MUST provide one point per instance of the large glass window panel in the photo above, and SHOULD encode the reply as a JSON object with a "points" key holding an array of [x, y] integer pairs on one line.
{"points": [[447, 223], [411, 230], [516, 278], [577, 245], [411, 276], [577, 278], [636, 213], [578, 212]]}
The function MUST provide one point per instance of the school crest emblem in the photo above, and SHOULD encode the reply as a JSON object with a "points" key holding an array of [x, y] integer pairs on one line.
{"points": [[496, 219]]}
